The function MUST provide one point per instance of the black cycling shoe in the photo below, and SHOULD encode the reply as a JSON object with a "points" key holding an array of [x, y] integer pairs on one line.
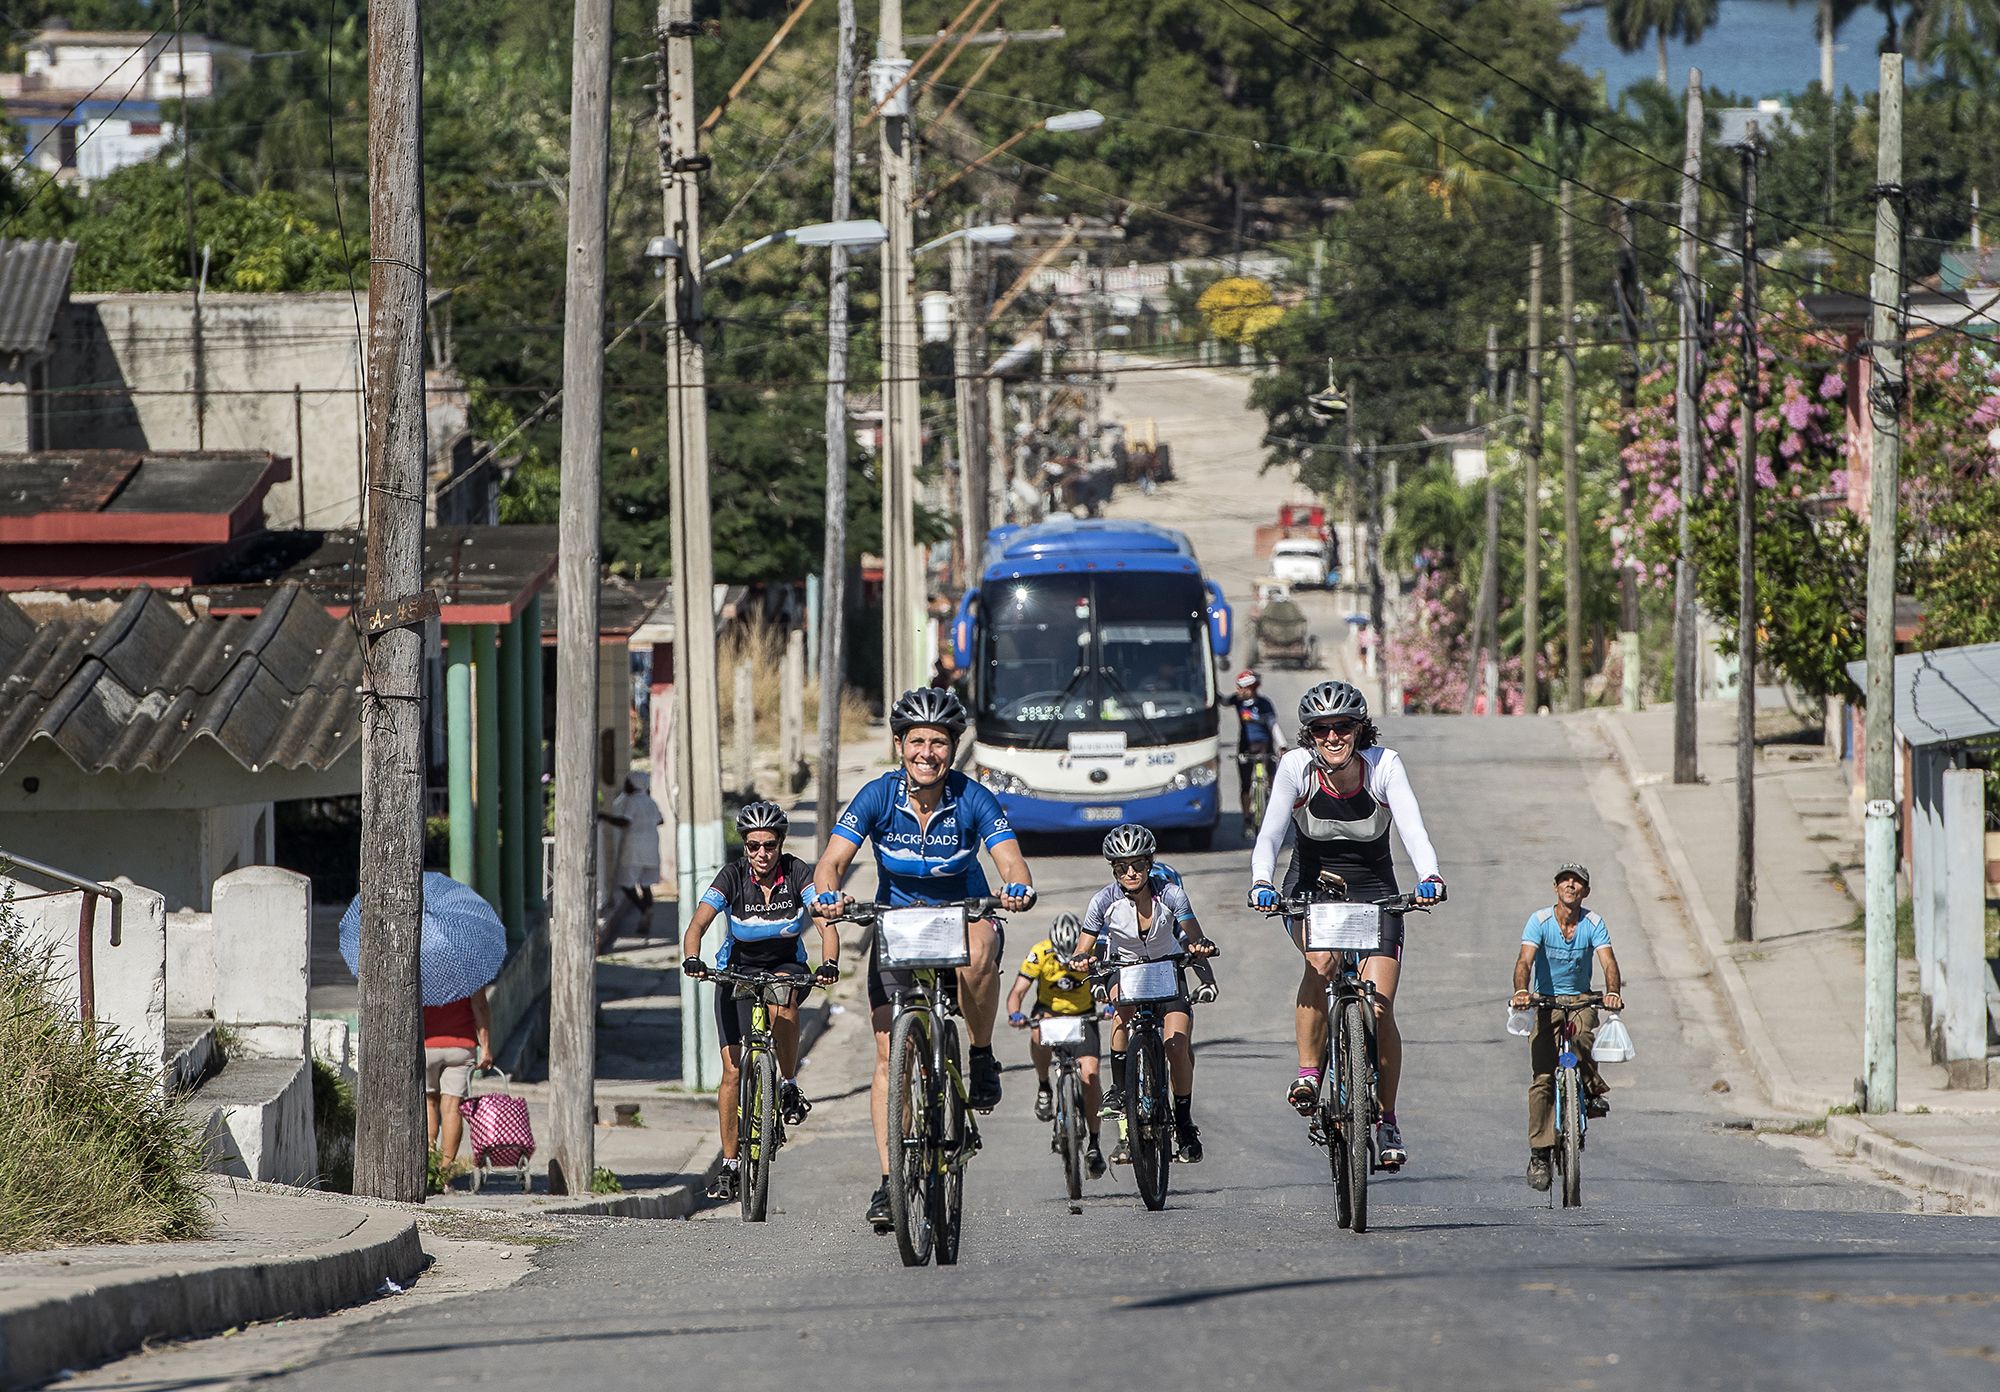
{"points": [[1597, 1106], [1094, 1158], [985, 1086], [723, 1187], [878, 1210], [1114, 1104], [1045, 1104], [793, 1104], [1187, 1148]]}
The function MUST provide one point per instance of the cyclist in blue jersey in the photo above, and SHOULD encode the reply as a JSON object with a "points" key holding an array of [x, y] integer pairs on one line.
{"points": [[928, 821]]}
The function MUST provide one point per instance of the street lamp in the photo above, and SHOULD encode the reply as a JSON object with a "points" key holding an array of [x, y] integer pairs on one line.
{"points": [[858, 234], [1065, 123], [987, 234]]}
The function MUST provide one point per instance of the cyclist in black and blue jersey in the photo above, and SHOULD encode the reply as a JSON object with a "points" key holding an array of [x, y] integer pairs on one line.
{"points": [[762, 900], [928, 821]]}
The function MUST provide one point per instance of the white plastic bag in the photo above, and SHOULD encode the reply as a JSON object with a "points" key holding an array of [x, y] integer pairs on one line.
{"points": [[1521, 1020], [1614, 1042]]}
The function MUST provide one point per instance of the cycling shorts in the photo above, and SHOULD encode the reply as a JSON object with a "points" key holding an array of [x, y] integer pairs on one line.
{"points": [[732, 1016], [1092, 1045], [884, 982]]}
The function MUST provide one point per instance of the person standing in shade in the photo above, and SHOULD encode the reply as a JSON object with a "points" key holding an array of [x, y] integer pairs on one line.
{"points": [[634, 819], [1558, 946]]}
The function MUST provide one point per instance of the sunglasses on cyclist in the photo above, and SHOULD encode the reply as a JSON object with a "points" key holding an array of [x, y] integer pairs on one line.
{"points": [[1139, 863], [1334, 729], [770, 845]]}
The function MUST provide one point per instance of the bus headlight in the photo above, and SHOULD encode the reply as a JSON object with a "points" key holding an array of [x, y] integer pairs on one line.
{"points": [[1200, 776], [1001, 781]]}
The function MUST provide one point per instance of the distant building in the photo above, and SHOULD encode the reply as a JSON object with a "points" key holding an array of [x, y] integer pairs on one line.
{"points": [[90, 100]]}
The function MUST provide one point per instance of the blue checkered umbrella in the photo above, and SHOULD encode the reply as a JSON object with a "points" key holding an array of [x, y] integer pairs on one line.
{"points": [[463, 942]]}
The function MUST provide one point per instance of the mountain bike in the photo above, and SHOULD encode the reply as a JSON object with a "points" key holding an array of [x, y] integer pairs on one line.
{"points": [[759, 1133], [1260, 789], [1064, 1036], [931, 1130], [1572, 1107], [1150, 986], [1344, 1116]]}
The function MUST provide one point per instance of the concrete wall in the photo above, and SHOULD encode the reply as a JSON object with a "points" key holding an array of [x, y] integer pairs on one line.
{"points": [[179, 851], [250, 344], [190, 964], [131, 979], [263, 958]]}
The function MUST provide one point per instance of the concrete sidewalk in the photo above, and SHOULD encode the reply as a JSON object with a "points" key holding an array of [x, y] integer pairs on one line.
{"points": [[1796, 992]]}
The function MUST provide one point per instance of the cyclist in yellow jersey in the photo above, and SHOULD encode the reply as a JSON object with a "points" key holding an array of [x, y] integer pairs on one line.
{"points": [[1060, 991]]}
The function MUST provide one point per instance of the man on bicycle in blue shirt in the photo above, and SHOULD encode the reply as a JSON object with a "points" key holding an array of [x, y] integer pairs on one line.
{"points": [[1558, 946], [928, 822], [1258, 736]]}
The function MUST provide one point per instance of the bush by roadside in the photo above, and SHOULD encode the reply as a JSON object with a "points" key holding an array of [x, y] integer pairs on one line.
{"points": [[90, 1148], [333, 1123]]}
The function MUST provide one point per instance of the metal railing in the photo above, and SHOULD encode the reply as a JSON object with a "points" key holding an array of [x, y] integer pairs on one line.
{"points": [[93, 890]]}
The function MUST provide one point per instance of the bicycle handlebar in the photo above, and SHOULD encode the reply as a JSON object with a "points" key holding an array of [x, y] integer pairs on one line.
{"points": [[755, 977], [1298, 906], [1556, 1003], [858, 911], [1105, 970]]}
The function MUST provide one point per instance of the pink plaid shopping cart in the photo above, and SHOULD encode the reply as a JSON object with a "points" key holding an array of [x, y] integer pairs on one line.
{"points": [[500, 1134]]}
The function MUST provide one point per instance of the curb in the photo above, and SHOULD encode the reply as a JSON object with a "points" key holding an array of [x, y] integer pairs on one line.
{"points": [[1850, 1135], [1773, 1076], [80, 1322]]}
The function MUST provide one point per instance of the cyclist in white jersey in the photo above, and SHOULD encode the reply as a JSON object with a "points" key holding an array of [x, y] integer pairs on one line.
{"points": [[1341, 793]]}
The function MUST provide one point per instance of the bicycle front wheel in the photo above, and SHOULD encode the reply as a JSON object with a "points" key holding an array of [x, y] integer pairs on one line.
{"points": [[1151, 1132], [1571, 1149], [1355, 1097], [1070, 1130], [760, 1107], [912, 1137], [954, 1149]]}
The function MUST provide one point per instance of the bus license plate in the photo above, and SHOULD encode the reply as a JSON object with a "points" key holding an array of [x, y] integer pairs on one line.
{"points": [[1104, 814]]}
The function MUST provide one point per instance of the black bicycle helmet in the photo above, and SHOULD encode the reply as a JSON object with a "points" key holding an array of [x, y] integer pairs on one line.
{"points": [[1332, 699], [1129, 841], [1062, 937], [928, 705], [762, 816]]}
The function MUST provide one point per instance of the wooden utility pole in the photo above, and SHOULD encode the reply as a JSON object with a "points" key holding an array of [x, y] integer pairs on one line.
{"points": [[903, 589], [1687, 407], [1485, 628], [1626, 292], [833, 562], [389, 1133], [1885, 404], [1573, 539], [1377, 596], [697, 707], [573, 912], [1746, 568], [967, 333], [1531, 499]]}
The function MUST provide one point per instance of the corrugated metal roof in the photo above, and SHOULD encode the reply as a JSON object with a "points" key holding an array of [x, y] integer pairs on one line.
{"points": [[134, 691], [1944, 697], [34, 277]]}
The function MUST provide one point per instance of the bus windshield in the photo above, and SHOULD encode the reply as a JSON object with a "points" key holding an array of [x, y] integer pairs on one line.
{"points": [[1095, 651]]}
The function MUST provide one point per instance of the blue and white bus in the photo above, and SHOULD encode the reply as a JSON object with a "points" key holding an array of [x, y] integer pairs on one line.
{"points": [[1092, 647]]}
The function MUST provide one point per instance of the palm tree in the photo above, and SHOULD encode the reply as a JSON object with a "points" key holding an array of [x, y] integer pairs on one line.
{"points": [[1629, 23], [1450, 159], [1934, 24], [1826, 23]]}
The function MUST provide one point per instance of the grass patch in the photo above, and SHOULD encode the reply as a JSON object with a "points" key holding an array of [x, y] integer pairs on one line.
{"points": [[333, 1121], [602, 1181], [1906, 928], [91, 1150]]}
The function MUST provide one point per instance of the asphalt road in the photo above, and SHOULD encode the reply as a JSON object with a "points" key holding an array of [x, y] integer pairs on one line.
{"points": [[1703, 1257]]}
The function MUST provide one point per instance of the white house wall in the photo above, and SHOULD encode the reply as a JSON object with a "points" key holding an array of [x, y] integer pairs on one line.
{"points": [[131, 979]]}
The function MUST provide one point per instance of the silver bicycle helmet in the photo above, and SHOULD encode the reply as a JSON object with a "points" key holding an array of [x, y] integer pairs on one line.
{"points": [[927, 705], [1062, 937], [1129, 841], [1332, 699], [762, 816]]}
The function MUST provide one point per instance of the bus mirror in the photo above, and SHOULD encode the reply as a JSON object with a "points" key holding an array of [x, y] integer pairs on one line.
{"points": [[961, 632], [1221, 621]]}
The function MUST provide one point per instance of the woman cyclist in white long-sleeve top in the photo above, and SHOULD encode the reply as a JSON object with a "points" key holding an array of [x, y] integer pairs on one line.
{"points": [[1341, 793]]}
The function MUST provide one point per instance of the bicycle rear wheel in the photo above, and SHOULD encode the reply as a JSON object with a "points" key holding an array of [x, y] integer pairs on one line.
{"points": [[912, 1139], [1570, 1151], [761, 1106], [1355, 1109], [1151, 1134], [1070, 1130], [955, 1148]]}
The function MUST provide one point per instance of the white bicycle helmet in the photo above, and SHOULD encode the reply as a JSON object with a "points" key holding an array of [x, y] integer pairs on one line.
{"points": [[1062, 937], [1332, 699], [1129, 842]]}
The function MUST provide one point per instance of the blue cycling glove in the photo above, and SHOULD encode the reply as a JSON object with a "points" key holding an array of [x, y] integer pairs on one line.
{"points": [[1019, 891], [820, 898], [1015, 1017], [1431, 890], [1263, 896]]}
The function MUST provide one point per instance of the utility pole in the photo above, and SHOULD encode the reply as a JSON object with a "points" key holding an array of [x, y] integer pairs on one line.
{"points": [[1626, 290], [1377, 598], [1484, 613], [1746, 568], [902, 411], [1885, 404], [1531, 499], [967, 329], [389, 1137], [833, 563], [573, 913], [1352, 562], [196, 280], [697, 714], [1687, 403], [1573, 549]]}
